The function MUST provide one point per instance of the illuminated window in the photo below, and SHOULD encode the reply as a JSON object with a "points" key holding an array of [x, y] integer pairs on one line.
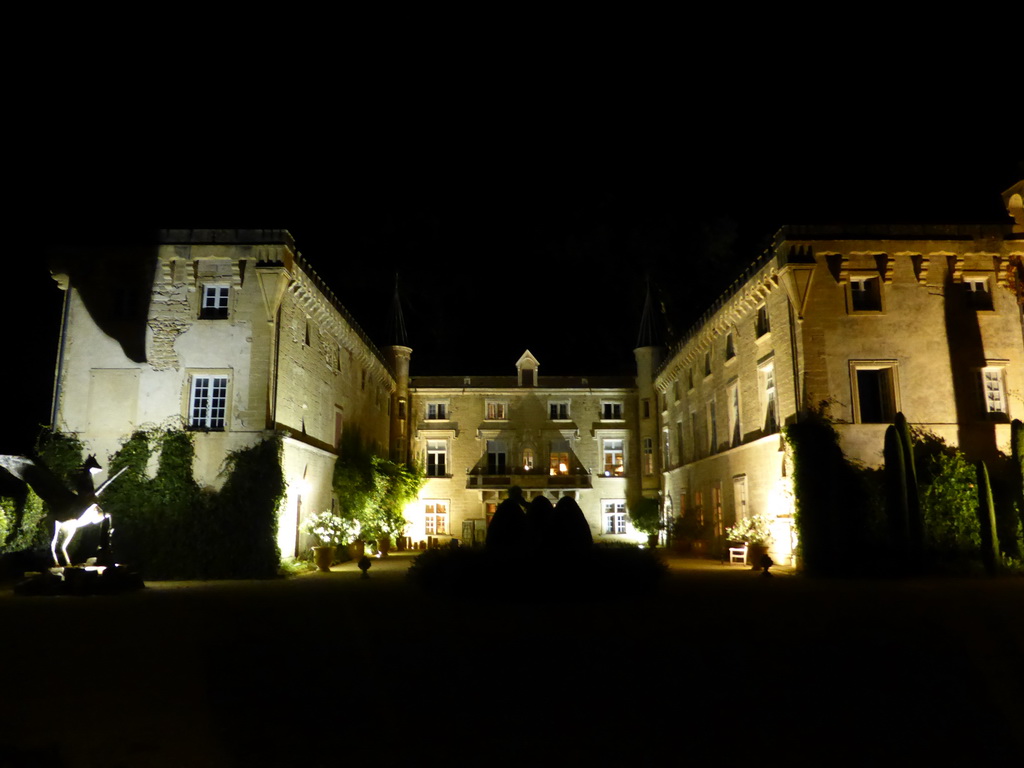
{"points": [[435, 518], [875, 392], [648, 448], [559, 457], [761, 325], [769, 399], [666, 449], [993, 392], [614, 457], [437, 411], [527, 459], [558, 411], [437, 458], [865, 294], [978, 292], [611, 411], [614, 516], [215, 302], [208, 402], [496, 411]]}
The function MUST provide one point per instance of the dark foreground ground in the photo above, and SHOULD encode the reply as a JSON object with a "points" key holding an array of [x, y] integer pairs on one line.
{"points": [[720, 666]]}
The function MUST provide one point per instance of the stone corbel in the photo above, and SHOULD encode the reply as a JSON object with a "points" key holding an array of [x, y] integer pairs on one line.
{"points": [[1002, 267], [844, 270], [958, 269], [889, 269], [921, 263]]}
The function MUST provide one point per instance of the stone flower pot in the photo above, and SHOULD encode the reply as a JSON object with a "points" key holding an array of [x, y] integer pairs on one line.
{"points": [[323, 557]]}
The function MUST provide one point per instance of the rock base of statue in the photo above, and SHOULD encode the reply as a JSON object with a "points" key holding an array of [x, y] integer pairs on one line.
{"points": [[80, 580]]}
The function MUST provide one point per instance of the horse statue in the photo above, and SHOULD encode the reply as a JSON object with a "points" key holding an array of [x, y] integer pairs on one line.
{"points": [[69, 509]]}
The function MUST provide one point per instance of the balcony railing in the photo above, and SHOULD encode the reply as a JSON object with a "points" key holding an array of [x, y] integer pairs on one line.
{"points": [[525, 478]]}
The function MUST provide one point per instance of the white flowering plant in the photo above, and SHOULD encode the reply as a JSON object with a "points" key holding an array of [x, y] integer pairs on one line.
{"points": [[330, 530], [751, 530]]}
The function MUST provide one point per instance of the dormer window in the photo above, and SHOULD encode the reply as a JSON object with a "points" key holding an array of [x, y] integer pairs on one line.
{"points": [[865, 293], [978, 292], [215, 302]]}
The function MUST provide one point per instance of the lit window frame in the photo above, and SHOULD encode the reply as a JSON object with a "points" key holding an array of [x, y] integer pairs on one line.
{"points": [[611, 410], [436, 453], [991, 382], [559, 410], [436, 410], [215, 302], [894, 394], [614, 517], [496, 410], [208, 398], [613, 455], [872, 300], [435, 523]]}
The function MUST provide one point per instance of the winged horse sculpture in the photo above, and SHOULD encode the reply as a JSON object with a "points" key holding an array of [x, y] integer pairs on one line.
{"points": [[70, 510]]}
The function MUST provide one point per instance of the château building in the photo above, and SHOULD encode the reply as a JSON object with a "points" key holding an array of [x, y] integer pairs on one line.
{"points": [[232, 333]]}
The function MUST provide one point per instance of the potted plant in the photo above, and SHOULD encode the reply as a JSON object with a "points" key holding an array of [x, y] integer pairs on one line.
{"points": [[329, 531], [646, 518], [756, 533]]}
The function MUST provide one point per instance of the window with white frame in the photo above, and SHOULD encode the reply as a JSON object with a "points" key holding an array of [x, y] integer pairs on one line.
{"points": [[215, 302], [865, 293], [558, 410], [437, 411], [875, 391], [611, 410], [993, 391], [648, 449], [208, 401], [614, 457], [614, 516], [666, 449], [769, 398], [435, 518], [437, 458], [979, 292], [496, 410]]}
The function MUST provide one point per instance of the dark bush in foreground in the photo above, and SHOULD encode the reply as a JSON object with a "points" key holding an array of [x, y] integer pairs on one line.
{"points": [[602, 571]]}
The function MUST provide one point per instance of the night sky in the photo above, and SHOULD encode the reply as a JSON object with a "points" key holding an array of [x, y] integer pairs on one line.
{"points": [[495, 256]]}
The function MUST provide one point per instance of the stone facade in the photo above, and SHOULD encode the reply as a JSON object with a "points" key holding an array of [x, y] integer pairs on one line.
{"points": [[240, 339], [860, 322], [476, 436]]}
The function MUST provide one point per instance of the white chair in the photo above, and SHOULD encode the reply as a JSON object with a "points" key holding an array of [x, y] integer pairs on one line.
{"points": [[738, 554]]}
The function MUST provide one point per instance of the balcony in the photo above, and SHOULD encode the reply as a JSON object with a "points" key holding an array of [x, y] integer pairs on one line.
{"points": [[539, 478]]}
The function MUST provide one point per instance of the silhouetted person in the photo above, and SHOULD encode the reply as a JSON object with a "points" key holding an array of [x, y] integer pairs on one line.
{"points": [[508, 529], [538, 519], [570, 531]]}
